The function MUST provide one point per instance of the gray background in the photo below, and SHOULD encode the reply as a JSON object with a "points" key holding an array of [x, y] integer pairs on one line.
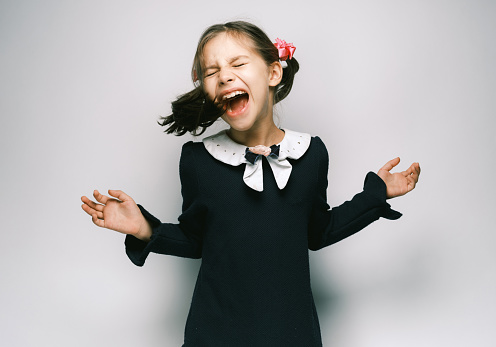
{"points": [[82, 84]]}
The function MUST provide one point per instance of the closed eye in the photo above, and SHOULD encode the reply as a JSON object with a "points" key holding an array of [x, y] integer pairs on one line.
{"points": [[239, 65]]}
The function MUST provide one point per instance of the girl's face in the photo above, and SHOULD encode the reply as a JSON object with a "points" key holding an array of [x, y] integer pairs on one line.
{"points": [[238, 78]]}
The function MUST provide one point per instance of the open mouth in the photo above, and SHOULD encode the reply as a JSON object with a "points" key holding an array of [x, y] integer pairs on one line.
{"points": [[235, 103]]}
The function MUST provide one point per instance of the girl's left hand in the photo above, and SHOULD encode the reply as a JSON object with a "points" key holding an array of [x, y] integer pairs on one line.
{"points": [[399, 183]]}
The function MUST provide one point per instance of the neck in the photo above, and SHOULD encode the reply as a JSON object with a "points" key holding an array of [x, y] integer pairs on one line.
{"points": [[264, 135]]}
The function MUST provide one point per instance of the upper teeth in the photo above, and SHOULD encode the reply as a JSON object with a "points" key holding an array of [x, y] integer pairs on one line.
{"points": [[233, 94]]}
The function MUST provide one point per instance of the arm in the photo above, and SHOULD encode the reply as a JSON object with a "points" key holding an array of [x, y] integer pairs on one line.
{"points": [[185, 238], [166, 238], [145, 233], [331, 226]]}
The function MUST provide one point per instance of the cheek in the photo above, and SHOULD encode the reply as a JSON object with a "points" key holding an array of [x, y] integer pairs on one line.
{"points": [[209, 90]]}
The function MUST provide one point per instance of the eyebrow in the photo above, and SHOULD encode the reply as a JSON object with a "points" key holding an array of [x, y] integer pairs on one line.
{"points": [[232, 60]]}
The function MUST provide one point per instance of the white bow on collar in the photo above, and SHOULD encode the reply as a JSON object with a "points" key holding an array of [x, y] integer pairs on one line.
{"points": [[293, 146]]}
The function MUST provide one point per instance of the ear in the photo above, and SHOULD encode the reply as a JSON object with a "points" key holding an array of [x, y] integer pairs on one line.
{"points": [[275, 74]]}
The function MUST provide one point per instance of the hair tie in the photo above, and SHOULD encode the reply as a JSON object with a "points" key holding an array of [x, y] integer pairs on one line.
{"points": [[286, 50]]}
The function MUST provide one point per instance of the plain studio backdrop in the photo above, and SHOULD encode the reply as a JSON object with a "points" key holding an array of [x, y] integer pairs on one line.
{"points": [[82, 84]]}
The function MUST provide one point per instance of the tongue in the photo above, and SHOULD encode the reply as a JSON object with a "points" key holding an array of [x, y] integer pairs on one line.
{"points": [[239, 103]]}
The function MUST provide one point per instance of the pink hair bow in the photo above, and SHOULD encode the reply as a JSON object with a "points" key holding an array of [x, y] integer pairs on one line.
{"points": [[286, 50]]}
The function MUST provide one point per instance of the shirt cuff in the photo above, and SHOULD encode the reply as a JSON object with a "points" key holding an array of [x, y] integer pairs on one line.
{"points": [[375, 186], [137, 250]]}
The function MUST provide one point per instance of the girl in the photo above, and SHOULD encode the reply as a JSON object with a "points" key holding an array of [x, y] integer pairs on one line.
{"points": [[254, 199]]}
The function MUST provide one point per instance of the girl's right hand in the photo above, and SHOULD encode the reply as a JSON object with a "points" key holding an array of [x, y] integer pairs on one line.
{"points": [[120, 214]]}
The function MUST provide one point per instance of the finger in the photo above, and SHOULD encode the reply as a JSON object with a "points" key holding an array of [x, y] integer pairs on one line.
{"points": [[407, 172], [417, 168], [416, 171], [88, 209], [97, 221], [85, 199], [100, 197], [411, 183], [119, 194], [413, 171], [92, 212], [92, 204], [390, 164]]}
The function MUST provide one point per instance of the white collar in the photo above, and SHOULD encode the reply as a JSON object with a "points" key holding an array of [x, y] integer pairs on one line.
{"points": [[293, 146]]}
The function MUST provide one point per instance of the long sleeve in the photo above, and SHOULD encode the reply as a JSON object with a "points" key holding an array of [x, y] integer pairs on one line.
{"points": [[328, 226], [185, 238]]}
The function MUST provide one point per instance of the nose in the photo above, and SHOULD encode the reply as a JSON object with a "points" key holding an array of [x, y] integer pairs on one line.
{"points": [[226, 76]]}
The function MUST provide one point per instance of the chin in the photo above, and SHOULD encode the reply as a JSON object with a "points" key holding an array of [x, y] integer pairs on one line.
{"points": [[245, 122], [240, 126], [239, 123]]}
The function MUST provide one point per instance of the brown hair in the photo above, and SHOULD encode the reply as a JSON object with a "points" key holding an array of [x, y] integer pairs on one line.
{"points": [[193, 112]]}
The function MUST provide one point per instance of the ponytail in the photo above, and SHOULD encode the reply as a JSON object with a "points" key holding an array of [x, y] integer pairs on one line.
{"points": [[192, 112], [288, 73]]}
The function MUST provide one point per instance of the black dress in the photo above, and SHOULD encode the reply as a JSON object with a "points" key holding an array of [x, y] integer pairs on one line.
{"points": [[253, 288]]}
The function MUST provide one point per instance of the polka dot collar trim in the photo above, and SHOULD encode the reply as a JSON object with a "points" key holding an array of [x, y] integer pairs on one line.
{"points": [[224, 149]]}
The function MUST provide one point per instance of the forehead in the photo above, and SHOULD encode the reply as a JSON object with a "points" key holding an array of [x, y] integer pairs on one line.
{"points": [[225, 46]]}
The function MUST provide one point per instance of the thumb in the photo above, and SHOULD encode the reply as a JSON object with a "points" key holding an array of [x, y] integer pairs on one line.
{"points": [[390, 164]]}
